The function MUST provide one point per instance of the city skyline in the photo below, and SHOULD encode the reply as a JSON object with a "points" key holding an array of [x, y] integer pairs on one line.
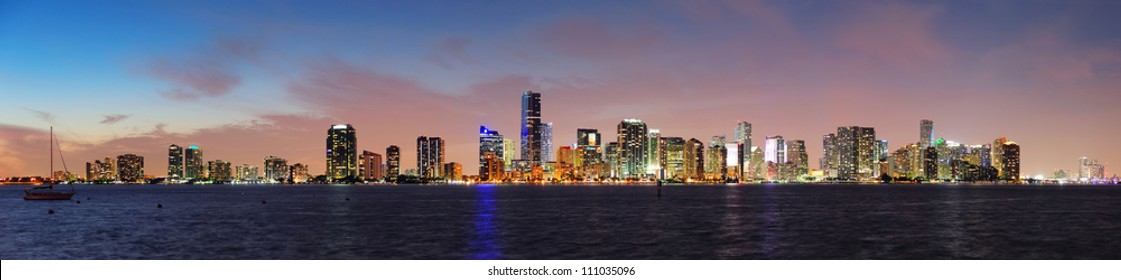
{"points": [[1046, 79]]}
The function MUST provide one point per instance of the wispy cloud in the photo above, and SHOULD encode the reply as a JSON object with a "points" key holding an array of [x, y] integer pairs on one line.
{"points": [[114, 118], [42, 115], [211, 71]]}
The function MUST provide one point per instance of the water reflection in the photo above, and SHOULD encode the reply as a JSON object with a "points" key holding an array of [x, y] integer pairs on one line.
{"points": [[772, 222], [484, 241]]}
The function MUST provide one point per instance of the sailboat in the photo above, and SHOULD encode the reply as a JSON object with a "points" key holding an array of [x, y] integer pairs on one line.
{"points": [[48, 192]]}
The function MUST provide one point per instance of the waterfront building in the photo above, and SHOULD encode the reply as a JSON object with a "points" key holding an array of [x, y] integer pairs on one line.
{"points": [[130, 168], [298, 173], [392, 163], [655, 150], [342, 152], [509, 153], [776, 150], [855, 147], [193, 166], [675, 158], [828, 161], [531, 127], [246, 172], [797, 157], [547, 142], [174, 162], [1090, 169], [430, 156], [493, 171], [453, 171], [276, 169], [632, 151], [371, 167], [694, 159], [219, 171], [926, 133], [490, 141]]}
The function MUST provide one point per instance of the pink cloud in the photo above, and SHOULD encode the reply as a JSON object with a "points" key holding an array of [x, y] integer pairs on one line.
{"points": [[593, 39], [208, 72], [898, 34]]}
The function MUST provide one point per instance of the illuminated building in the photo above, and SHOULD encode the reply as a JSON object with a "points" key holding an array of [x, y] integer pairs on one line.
{"points": [[453, 171], [174, 162], [130, 168], [589, 151], [246, 172], [654, 150], [1090, 169], [797, 156], [694, 159], [775, 150], [880, 158], [509, 153], [632, 148], [675, 158], [430, 156], [930, 163], [1009, 160], [611, 154], [342, 152], [531, 127], [490, 141], [276, 169], [733, 156], [828, 159], [193, 166], [743, 136], [298, 173], [926, 133], [547, 142], [758, 166], [219, 171], [716, 159], [494, 168], [855, 147], [565, 155], [392, 163], [99, 170], [370, 166]]}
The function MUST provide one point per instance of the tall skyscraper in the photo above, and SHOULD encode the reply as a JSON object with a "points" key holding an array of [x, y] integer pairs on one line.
{"points": [[1006, 159], [743, 137], [654, 152], [796, 154], [694, 159], [276, 169], [828, 159], [430, 156], [342, 152], [611, 156], [509, 153], [490, 141], [930, 163], [392, 163], [370, 166], [589, 150], [531, 127], [716, 158], [855, 148], [246, 172], [632, 148], [130, 168], [193, 166], [174, 162], [775, 150], [547, 142], [926, 133]]}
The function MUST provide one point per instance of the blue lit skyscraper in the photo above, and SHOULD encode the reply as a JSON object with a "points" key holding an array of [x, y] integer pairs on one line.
{"points": [[531, 127]]}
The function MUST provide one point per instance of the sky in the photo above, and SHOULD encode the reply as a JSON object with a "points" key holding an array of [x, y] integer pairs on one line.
{"points": [[249, 79]]}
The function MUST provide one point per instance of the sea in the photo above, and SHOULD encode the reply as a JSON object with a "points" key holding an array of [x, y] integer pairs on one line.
{"points": [[376, 222]]}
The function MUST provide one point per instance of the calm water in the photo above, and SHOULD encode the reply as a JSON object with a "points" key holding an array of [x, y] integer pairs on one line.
{"points": [[566, 222]]}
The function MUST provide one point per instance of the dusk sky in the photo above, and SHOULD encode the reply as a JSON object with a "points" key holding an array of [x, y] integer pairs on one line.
{"points": [[248, 79]]}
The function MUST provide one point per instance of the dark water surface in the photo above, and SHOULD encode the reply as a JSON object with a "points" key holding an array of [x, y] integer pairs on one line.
{"points": [[566, 222]]}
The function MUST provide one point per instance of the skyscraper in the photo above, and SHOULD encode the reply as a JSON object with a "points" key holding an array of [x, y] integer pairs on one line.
{"points": [[370, 166], [246, 172], [342, 152], [509, 153], [174, 162], [828, 159], [694, 159], [632, 148], [547, 142], [743, 137], [453, 171], [654, 149], [796, 154], [855, 148], [276, 169], [219, 171], [930, 163], [430, 156], [392, 163], [193, 166], [298, 173], [490, 141], [531, 127], [1009, 154], [926, 133], [675, 158], [589, 150], [494, 168], [130, 168], [775, 150]]}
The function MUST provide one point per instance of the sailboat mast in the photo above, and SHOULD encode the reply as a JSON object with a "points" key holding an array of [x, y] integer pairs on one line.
{"points": [[50, 173]]}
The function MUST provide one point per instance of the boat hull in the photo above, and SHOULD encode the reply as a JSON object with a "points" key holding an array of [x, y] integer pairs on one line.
{"points": [[47, 196]]}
